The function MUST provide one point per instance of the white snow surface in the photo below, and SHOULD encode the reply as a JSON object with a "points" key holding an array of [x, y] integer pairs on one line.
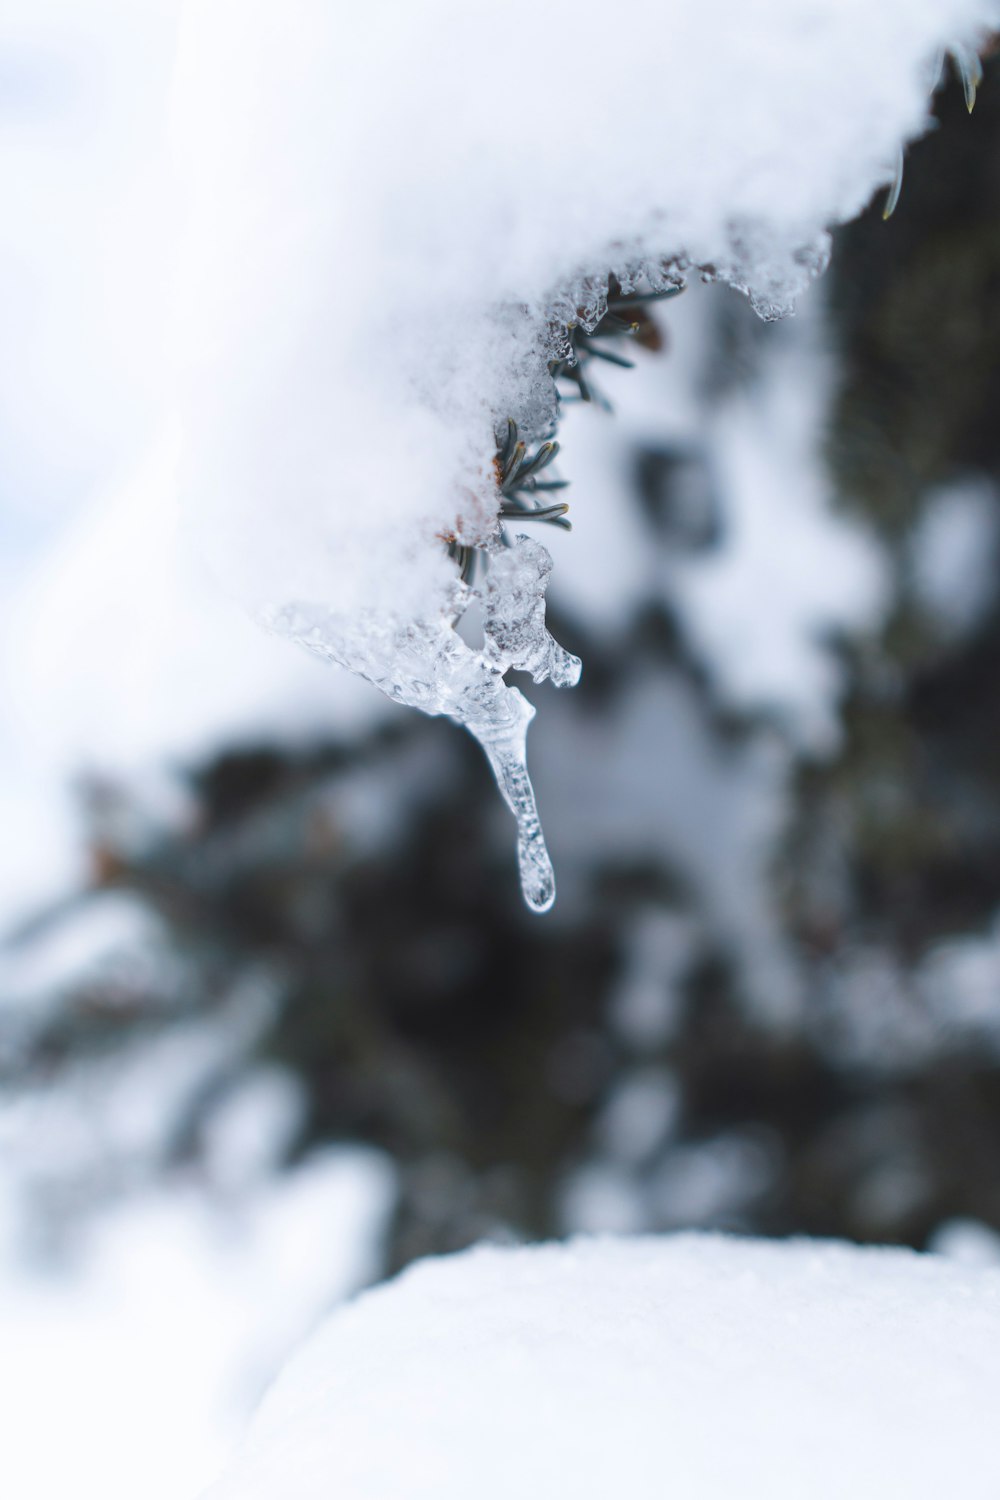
{"points": [[695, 1365], [128, 1368], [392, 213]]}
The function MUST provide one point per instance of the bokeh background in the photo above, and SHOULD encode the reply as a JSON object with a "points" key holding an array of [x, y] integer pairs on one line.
{"points": [[273, 1019]]}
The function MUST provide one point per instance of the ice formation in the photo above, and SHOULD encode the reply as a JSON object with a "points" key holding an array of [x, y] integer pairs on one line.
{"points": [[429, 666], [693, 1365], [386, 254]]}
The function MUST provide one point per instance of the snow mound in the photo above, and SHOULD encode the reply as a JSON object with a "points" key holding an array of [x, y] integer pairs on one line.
{"points": [[695, 1365], [401, 219]]}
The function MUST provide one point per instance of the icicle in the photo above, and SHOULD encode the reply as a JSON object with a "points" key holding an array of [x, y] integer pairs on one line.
{"points": [[516, 637], [505, 745], [970, 71], [427, 665], [895, 187]]}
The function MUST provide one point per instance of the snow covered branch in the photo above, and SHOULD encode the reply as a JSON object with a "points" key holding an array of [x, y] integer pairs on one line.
{"points": [[401, 221]]}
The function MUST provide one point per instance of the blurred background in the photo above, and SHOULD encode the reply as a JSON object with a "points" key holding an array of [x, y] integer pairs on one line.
{"points": [[273, 1019]]}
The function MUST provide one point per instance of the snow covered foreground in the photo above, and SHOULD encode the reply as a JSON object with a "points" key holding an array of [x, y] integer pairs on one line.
{"points": [[695, 1366]]}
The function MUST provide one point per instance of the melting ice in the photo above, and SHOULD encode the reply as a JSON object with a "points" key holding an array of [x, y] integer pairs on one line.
{"points": [[427, 665]]}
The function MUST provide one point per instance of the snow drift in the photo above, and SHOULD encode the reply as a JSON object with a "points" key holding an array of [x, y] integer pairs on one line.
{"points": [[689, 1366]]}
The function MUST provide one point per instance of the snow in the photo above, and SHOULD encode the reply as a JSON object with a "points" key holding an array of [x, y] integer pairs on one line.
{"points": [[967, 1241], [384, 206], [351, 288], [640, 1113], [130, 1368], [657, 783], [709, 1184], [85, 246], [877, 1016], [119, 660], [389, 229], [953, 556], [114, 945], [690, 1365], [646, 1005], [792, 572], [114, 654], [172, 669], [783, 569]]}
